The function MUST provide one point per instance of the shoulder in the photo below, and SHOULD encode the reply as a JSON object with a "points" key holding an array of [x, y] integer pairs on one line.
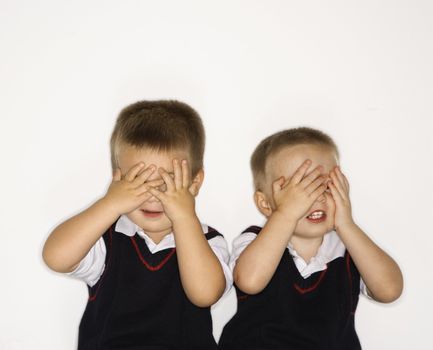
{"points": [[242, 241], [252, 229], [246, 236], [210, 232]]}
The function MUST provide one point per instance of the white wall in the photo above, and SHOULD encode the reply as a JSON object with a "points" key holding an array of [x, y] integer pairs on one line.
{"points": [[360, 70]]}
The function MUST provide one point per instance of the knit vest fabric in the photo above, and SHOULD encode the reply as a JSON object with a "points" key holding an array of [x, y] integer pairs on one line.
{"points": [[316, 313], [139, 302]]}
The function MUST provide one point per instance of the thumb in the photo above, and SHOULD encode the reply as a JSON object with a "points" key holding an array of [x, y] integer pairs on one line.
{"points": [[193, 189], [277, 184]]}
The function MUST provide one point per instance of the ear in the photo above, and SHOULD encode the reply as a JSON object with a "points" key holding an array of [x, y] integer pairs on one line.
{"points": [[263, 203], [196, 183]]}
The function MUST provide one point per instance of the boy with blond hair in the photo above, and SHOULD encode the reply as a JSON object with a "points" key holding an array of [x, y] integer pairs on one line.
{"points": [[152, 269], [299, 277]]}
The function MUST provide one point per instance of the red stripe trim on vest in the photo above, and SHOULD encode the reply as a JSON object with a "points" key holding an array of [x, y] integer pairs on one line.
{"points": [[243, 297], [145, 263], [314, 286], [101, 279]]}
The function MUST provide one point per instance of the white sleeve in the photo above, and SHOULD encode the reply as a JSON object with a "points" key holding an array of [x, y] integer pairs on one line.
{"points": [[239, 244], [92, 265], [219, 246]]}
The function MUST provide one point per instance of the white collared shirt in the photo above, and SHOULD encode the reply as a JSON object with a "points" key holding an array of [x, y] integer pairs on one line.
{"points": [[331, 248], [92, 265]]}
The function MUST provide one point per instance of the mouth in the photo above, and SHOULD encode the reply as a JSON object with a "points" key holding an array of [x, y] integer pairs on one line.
{"points": [[316, 217], [152, 213]]}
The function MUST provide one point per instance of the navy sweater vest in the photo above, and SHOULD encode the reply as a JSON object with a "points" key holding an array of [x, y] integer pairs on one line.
{"points": [[316, 313], [139, 302]]}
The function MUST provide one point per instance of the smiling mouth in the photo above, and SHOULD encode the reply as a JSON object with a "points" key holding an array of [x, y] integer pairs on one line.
{"points": [[316, 216], [151, 213]]}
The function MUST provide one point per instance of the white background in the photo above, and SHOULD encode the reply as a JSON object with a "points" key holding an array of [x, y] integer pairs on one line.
{"points": [[360, 70]]}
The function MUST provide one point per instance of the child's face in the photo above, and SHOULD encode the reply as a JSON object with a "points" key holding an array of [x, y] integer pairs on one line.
{"points": [[150, 215], [285, 163]]}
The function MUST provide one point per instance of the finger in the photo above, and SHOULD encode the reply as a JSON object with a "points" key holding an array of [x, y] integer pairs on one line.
{"points": [[341, 177], [177, 174], [315, 184], [337, 184], [144, 175], [162, 188], [154, 183], [167, 179], [117, 176], [186, 177], [145, 186], [154, 192], [335, 193], [145, 196], [345, 181], [132, 173], [347, 184], [327, 180], [312, 176], [328, 193], [277, 184], [300, 172], [318, 191]]}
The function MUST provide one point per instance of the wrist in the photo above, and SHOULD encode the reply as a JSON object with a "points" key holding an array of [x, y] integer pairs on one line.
{"points": [[344, 227], [109, 206], [185, 221], [285, 216]]}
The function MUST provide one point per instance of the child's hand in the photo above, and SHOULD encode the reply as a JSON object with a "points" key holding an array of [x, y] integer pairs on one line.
{"points": [[128, 193], [339, 187], [294, 196], [178, 199]]}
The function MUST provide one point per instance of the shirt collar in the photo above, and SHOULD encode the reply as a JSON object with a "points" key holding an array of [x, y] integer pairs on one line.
{"points": [[331, 248], [127, 227]]}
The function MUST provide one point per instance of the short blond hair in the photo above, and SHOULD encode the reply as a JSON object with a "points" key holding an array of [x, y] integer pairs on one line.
{"points": [[275, 142], [162, 125]]}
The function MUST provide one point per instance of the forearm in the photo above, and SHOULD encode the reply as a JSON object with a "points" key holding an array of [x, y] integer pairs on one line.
{"points": [[257, 263], [201, 273], [69, 243], [378, 270]]}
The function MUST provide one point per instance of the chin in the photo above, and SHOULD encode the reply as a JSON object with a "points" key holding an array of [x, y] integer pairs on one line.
{"points": [[156, 228], [304, 234], [313, 230], [152, 224]]}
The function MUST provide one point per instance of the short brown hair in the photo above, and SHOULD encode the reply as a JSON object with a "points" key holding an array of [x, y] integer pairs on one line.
{"points": [[162, 125], [290, 137]]}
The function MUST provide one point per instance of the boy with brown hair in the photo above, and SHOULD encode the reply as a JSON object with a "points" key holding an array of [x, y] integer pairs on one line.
{"points": [[152, 269], [299, 277]]}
